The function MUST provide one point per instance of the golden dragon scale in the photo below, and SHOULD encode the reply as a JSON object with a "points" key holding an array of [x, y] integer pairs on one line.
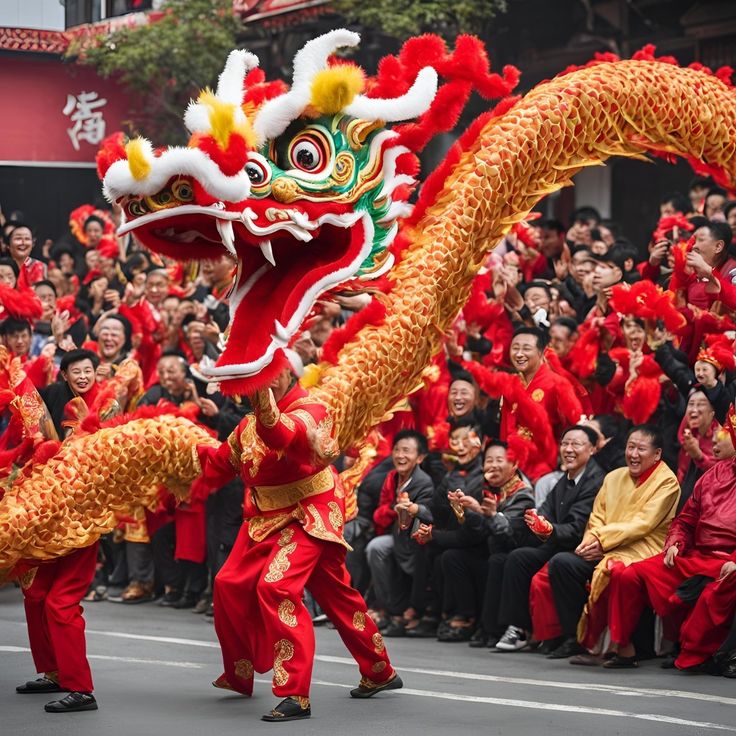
{"points": [[622, 108], [578, 120], [75, 497]]}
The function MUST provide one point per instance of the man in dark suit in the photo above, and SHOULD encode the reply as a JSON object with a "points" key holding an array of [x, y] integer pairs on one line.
{"points": [[405, 499], [558, 527]]}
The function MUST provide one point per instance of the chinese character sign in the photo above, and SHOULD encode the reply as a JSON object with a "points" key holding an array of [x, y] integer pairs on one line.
{"points": [[85, 112]]}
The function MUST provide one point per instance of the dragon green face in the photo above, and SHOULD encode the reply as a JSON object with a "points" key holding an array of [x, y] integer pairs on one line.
{"points": [[333, 160]]}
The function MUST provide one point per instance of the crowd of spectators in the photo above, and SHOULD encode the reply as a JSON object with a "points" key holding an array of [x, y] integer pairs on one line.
{"points": [[564, 475]]}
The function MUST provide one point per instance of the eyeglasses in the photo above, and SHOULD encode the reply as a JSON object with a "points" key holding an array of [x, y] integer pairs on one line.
{"points": [[576, 444]]}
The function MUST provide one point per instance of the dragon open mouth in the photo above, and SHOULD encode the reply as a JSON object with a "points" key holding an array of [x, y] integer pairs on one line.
{"points": [[287, 256]]}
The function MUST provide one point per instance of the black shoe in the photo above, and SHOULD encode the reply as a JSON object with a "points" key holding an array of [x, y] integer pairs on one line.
{"points": [[289, 709], [621, 663], [41, 685], [188, 600], [170, 599], [72, 703], [425, 629], [479, 640], [568, 648], [203, 605], [668, 663], [394, 629], [548, 646], [727, 665], [456, 633], [367, 688]]}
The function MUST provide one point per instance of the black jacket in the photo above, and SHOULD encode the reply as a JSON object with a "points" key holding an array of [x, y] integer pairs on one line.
{"points": [[448, 532], [568, 507], [507, 530]]}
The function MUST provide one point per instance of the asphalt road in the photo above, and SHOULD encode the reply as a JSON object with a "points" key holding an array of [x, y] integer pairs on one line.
{"points": [[153, 668]]}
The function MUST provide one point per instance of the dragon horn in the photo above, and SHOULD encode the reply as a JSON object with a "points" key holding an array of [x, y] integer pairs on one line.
{"points": [[230, 82], [276, 115], [412, 104], [229, 92]]}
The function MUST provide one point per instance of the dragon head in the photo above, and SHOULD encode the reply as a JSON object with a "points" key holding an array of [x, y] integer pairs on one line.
{"points": [[302, 187]]}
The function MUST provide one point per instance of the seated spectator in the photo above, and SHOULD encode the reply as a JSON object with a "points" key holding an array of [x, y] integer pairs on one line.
{"points": [[696, 436], [448, 530], [629, 521], [500, 516], [558, 527], [701, 539], [405, 496]]}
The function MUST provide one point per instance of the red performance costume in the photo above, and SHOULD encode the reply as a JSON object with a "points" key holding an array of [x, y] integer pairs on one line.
{"points": [[51, 594], [704, 533], [292, 539]]}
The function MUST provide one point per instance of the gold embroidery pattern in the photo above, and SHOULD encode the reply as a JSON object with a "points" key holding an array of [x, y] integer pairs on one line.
{"points": [[359, 621], [378, 667], [335, 516], [27, 578], [319, 530], [268, 411], [260, 527], [537, 395], [280, 563], [303, 702], [283, 651], [307, 418], [378, 645], [273, 498], [235, 450], [288, 422], [244, 669], [286, 613], [253, 449]]}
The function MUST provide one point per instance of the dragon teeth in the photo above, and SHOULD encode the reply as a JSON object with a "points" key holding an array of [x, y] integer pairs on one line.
{"points": [[281, 333], [227, 235], [267, 251]]}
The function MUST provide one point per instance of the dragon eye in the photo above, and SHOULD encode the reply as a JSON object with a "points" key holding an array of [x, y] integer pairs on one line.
{"points": [[258, 171], [307, 153]]}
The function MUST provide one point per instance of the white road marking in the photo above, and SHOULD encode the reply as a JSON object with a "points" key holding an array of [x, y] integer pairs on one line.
{"points": [[128, 660], [438, 695], [530, 704], [579, 686], [613, 689]]}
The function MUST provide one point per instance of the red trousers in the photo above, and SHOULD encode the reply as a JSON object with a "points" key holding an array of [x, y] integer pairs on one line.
{"points": [[545, 621], [707, 627], [55, 621], [262, 623], [650, 583]]}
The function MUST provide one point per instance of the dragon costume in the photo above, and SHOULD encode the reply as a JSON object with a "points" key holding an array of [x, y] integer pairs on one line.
{"points": [[308, 188]]}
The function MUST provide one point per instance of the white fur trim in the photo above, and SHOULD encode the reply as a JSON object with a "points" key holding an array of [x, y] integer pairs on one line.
{"points": [[410, 105], [172, 162], [295, 361], [230, 83], [274, 116]]}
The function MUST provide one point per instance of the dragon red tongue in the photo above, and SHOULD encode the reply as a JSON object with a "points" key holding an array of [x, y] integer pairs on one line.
{"points": [[283, 294]]}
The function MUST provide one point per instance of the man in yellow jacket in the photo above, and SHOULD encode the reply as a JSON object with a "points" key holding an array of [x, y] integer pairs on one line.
{"points": [[629, 522]]}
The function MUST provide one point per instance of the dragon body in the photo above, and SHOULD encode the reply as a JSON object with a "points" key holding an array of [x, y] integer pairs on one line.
{"points": [[308, 190]]}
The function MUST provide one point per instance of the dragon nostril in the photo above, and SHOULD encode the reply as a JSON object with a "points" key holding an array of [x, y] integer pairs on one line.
{"points": [[285, 190]]}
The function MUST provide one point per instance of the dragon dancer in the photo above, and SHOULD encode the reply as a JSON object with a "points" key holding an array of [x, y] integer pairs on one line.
{"points": [[292, 539]]}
